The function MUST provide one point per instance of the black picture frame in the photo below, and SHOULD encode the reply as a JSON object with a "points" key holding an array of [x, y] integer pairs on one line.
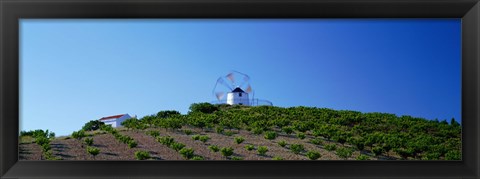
{"points": [[13, 10]]}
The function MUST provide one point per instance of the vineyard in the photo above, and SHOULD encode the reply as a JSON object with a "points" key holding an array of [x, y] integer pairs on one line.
{"points": [[224, 132]]}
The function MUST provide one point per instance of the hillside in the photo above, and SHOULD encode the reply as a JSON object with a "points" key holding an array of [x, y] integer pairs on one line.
{"points": [[297, 133]]}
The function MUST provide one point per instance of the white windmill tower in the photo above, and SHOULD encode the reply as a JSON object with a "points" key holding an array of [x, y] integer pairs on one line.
{"points": [[237, 87]]}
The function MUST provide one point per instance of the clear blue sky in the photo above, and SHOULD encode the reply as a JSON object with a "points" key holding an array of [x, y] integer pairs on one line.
{"points": [[73, 71]]}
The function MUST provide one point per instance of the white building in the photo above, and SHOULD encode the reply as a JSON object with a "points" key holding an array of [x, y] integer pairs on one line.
{"points": [[238, 96], [115, 121]]}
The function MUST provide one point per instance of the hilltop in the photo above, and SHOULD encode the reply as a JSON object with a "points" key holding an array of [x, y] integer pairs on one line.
{"points": [[224, 132]]}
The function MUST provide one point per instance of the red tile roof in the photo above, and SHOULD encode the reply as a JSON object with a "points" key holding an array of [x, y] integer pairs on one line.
{"points": [[112, 117]]}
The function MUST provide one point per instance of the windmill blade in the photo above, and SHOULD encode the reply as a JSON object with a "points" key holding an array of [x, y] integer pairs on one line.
{"points": [[219, 95], [230, 77], [249, 89], [221, 81]]}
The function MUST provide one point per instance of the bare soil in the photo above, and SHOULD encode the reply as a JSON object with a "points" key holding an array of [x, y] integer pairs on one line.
{"points": [[112, 149]]}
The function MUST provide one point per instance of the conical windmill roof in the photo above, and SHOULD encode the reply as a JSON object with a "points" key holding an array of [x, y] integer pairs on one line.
{"points": [[238, 90]]}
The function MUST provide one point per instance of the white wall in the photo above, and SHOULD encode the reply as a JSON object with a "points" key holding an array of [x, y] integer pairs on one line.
{"points": [[235, 98], [117, 122]]}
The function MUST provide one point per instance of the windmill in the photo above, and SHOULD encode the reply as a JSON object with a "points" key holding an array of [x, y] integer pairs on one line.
{"points": [[235, 86]]}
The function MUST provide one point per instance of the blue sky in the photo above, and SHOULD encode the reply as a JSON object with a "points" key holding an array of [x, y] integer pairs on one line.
{"points": [[73, 71]]}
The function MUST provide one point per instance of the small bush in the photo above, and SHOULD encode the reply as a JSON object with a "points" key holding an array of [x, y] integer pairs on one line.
{"points": [[46, 147], [282, 143], [204, 138], [88, 141], [296, 148], [316, 141], [93, 151], [277, 158], [330, 147], [229, 133], [78, 134], [344, 152], [187, 153], [226, 151], [301, 135], [313, 155], [270, 135], [132, 144], [239, 140], [196, 137], [41, 141], [142, 155], [213, 148], [257, 131], [236, 158], [197, 157], [249, 147], [262, 150], [219, 130], [167, 140], [153, 133], [287, 129], [188, 132], [363, 157], [177, 146], [377, 150]]}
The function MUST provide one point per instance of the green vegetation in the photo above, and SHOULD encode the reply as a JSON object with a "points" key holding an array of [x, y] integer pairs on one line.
{"points": [[188, 132], [277, 158], [262, 150], [93, 151], [204, 138], [236, 158], [297, 148], [270, 135], [330, 147], [92, 125], [142, 155], [316, 141], [226, 151], [301, 135], [197, 157], [213, 148], [249, 147], [187, 153], [313, 155], [362, 157], [344, 152], [239, 139], [88, 141], [153, 133], [282, 143], [177, 146]]}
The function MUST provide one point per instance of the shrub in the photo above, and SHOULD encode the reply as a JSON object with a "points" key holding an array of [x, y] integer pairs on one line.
{"points": [[282, 143], [277, 158], [313, 155], [226, 151], [204, 138], [257, 130], [142, 155], [296, 148], [196, 137], [186, 153], [362, 157], [236, 158], [239, 140], [153, 133], [177, 146], [270, 135], [377, 150], [301, 135], [88, 141], [262, 150], [92, 125], [219, 130], [330, 147], [229, 133], [344, 152], [249, 147], [41, 141], [78, 134], [197, 157], [316, 141], [203, 108], [287, 129], [453, 155], [167, 140], [214, 148], [188, 132], [46, 147], [93, 151], [132, 144]]}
